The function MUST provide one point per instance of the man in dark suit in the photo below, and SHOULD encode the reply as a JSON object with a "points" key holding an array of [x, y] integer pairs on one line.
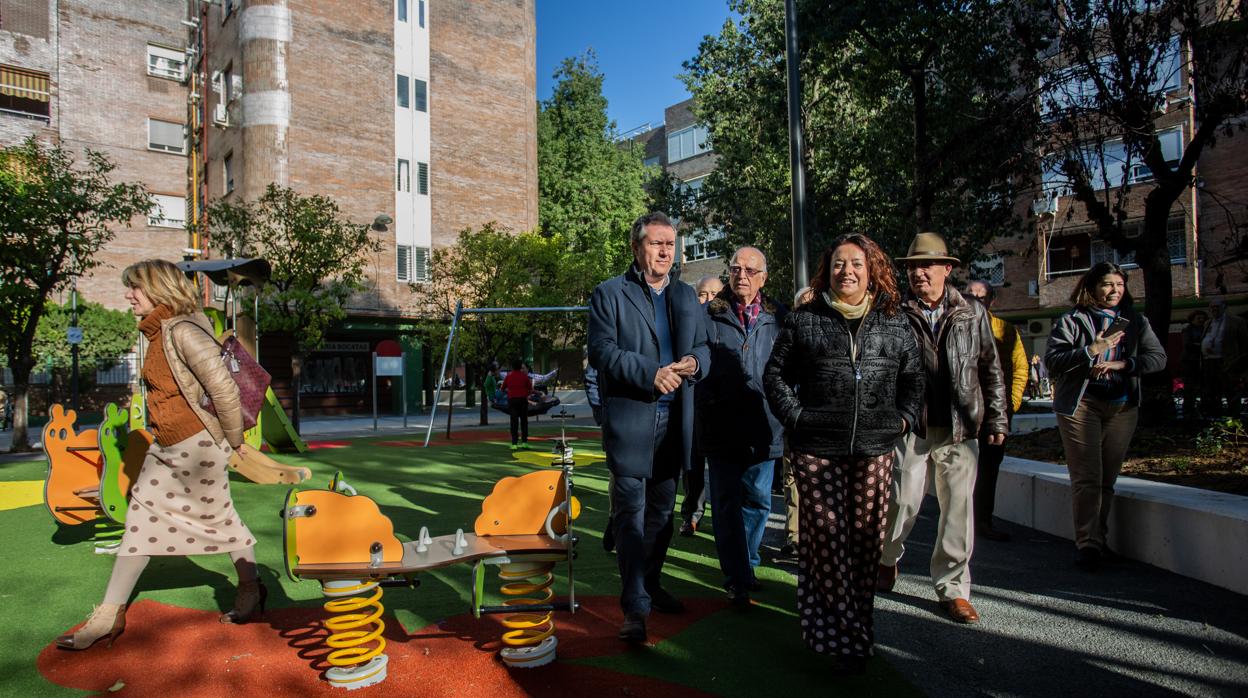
{"points": [[647, 340]]}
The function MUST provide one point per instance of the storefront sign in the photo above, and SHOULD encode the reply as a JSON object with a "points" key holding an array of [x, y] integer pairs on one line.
{"points": [[343, 347]]}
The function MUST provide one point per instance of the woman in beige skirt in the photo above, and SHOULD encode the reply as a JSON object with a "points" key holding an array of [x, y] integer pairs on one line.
{"points": [[180, 503]]}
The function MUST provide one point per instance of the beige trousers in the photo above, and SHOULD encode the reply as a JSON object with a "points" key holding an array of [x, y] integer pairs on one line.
{"points": [[952, 467], [1095, 439], [790, 500]]}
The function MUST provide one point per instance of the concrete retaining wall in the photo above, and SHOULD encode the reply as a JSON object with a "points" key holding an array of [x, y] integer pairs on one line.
{"points": [[1195, 533]]}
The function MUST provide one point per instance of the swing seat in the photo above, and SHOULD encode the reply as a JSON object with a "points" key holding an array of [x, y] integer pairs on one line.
{"points": [[544, 404]]}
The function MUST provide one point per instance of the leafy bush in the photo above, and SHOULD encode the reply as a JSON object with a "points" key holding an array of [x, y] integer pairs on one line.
{"points": [[1227, 431]]}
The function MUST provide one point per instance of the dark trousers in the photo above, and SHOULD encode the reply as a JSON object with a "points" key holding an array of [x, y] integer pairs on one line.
{"points": [[741, 500], [1192, 388], [694, 505], [988, 468], [518, 407], [641, 513], [1217, 385]]}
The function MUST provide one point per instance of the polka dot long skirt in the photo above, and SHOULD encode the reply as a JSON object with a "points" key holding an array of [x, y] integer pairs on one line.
{"points": [[180, 503], [842, 507]]}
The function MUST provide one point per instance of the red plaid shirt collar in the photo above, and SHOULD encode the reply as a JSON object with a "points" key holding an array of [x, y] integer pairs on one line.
{"points": [[748, 314]]}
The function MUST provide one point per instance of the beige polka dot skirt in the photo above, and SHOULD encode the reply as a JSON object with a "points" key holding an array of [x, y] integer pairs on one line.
{"points": [[842, 503], [180, 503]]}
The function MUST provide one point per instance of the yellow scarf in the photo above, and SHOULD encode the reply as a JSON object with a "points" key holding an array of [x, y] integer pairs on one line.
{"points": [[849, 311]]}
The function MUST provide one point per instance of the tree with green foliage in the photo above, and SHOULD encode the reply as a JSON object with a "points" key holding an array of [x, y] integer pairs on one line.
{"points": [[590, 186], [1111, 70], [106, 335], [492, 267], [55, 216], [912, 116], [319, 260]]}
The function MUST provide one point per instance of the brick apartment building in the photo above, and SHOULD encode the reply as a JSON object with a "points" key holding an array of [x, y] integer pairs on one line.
{"points": [[419, 111], [1036, 272], [680, 147]]}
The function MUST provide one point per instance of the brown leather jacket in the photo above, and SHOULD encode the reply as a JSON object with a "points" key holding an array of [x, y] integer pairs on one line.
{"points": [[195, 360], [978, 391]]}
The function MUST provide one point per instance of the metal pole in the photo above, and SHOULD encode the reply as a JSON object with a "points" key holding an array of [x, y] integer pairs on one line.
{"points": [[797, 146], [403, 385], [255, 321], [461, 311], [73, 348], [450, 404], [437, 394], [374, 371]]}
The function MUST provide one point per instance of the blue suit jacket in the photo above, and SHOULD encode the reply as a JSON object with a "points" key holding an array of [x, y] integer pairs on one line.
{"points": [[624, 348]]}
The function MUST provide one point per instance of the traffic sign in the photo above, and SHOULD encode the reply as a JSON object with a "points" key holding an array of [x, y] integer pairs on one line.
{"points": [[73, 335]]}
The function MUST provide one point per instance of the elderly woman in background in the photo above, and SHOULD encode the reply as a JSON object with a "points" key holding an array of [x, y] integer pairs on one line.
{"points": [[180, 503], [1096, 354], [861, 386]]}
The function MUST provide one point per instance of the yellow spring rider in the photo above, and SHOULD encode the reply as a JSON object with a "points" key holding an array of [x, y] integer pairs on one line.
{"points": [[342, 539]]}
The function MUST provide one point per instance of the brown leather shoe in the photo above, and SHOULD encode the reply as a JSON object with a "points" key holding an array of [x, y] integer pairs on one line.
{"points": [[886, 578], [960, 610]]}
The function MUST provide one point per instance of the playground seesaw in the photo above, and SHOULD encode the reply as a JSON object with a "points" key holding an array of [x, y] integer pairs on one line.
{"points": [[342, 539]]}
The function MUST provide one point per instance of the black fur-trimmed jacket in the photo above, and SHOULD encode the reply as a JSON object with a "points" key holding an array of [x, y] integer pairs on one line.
{"points": [[734, 423], [833, 403]]}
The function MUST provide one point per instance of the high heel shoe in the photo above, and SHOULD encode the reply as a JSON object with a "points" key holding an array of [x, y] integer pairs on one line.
{"points": [[251, 595], [106, 621]]}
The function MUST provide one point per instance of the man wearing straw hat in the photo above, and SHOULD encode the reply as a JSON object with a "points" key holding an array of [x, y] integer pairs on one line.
{"points": [[965, 388]]}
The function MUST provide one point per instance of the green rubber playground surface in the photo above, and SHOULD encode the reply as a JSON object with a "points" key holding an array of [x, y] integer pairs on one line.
{"points": [[51, 577]]}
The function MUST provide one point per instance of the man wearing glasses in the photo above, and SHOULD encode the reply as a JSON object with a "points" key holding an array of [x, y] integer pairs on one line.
{"points": [[647, 340], [740, 437]]}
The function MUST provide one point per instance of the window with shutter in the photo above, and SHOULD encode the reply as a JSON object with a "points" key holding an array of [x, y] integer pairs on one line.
{"points": [[169, 212], [165, 136], [422, 178], [420, 94], [24, 92], [421, 271], [403, 176], [401, 86], [403, 264], [164, 62]]}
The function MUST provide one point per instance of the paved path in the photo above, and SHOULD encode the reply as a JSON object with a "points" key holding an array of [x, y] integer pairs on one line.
{"points": [[1051, 630]]}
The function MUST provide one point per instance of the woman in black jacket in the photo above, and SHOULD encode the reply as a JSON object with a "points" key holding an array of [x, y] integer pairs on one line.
{"points": [[846, 380], [1096, 354]]}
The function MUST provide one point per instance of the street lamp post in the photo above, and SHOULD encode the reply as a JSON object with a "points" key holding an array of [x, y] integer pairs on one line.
{"points": [[797, 146], [73, 345]]}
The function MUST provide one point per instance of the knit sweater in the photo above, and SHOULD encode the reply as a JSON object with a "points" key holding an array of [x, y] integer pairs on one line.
{"points": [[169, 415]]}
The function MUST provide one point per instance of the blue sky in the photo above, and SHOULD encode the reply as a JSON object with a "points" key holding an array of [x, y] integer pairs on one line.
{"points": [[640, 46]]}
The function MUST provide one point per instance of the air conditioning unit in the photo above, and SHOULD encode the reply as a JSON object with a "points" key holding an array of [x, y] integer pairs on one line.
{"points": [[218, 85], [1043, 205], [221, 115]]}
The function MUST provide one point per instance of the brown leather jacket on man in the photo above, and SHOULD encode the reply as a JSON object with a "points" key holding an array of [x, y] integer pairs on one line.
{"points": [[195, 359], [976, 389]]}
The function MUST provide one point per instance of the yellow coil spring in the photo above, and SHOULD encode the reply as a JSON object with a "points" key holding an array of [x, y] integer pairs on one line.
{"points": [[533, 627], [346, 637]]}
